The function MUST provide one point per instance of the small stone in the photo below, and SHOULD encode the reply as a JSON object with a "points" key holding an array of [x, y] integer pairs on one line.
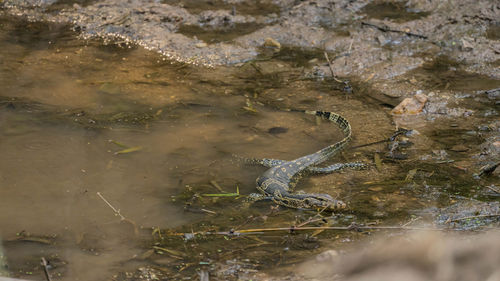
{"points": [[381, 40], [412, 105], [201, 45], [466, 45], [270, 42]]}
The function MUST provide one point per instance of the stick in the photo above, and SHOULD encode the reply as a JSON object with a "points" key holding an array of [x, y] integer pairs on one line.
{"points": [[387, 29], [217, 186], [45, 265], [122, 218], [353, 226], [493, 189], [331, 69], [401, 131], [349, 51], [117, 212]]}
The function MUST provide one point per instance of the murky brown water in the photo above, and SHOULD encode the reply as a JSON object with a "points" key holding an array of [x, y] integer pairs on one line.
{"points": [[69, 109], [65, 100]]}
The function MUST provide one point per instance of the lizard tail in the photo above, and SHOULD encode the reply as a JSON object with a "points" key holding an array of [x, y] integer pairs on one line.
{"points": [[340, 121]]}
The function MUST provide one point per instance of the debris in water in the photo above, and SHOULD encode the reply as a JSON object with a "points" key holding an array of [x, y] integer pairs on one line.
{"points": [[235, 194], [129, 150]]}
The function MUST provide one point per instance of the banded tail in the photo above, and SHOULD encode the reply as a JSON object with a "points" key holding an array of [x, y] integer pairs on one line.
{"points": [[344, 125]]}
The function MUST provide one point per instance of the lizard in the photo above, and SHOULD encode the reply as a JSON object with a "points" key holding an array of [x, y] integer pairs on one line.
{"points": [[278, 181]]}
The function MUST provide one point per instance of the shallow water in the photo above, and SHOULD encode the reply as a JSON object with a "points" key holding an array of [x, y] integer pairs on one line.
{"points": [[395, 11], [70, 109], [64, 103]]}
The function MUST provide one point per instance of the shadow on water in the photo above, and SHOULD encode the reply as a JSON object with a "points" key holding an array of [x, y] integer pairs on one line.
{"points": [[86, 128], [256, 7], [392, 10], [224, 34], [445, 74], [493, 31]]}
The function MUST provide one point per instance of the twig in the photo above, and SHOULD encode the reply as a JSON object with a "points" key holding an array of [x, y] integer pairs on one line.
{"points": [[117, 212], [217, 186], [493, 189], [401, 131], [350, 46], [309, 221], [208, 211], [352, 227], [411, 221], [122, 218], [45, 266], [331, 69], [349, 51], [387, 29]]}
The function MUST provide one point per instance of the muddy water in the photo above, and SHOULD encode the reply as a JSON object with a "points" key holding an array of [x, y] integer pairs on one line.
{"points": [[70, 109], [151, 136]]}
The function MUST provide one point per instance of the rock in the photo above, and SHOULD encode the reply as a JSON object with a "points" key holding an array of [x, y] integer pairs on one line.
{"points": [[201, 45], [327, 256], [270, 42], [412, 105]]}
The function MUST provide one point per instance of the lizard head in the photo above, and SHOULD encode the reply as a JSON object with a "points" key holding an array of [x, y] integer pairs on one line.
{"points": [[322, 202]]}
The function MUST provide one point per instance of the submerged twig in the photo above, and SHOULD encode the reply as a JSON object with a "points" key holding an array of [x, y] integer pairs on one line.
{"points": [[233, 194], [45, 266], [217, 186], [208, 211], [117, 212], [352, 227], [387, 29]]}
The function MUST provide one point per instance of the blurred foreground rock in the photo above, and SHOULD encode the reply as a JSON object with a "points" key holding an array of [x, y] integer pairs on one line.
{"points": [[414, 257]]}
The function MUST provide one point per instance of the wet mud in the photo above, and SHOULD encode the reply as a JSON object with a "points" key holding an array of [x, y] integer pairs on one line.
{"points": [[124, 127]]}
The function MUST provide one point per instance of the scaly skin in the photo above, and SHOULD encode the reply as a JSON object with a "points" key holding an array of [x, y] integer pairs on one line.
{"points": [[276, 183]]}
